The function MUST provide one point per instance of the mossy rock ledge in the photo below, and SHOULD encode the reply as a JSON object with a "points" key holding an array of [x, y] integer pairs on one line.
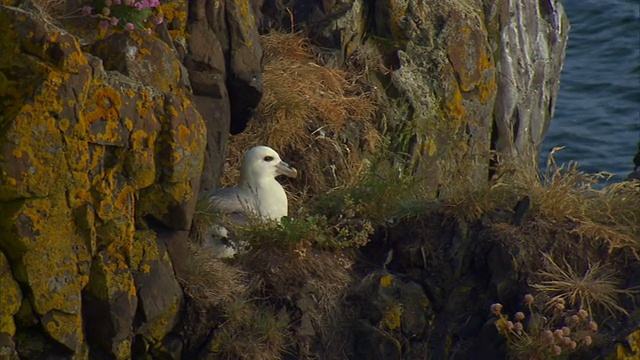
{"points": [[107, 137]]}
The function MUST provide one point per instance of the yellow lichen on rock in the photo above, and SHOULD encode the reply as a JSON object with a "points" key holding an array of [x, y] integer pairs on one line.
{"points": [[630, 353], [10, 299]]}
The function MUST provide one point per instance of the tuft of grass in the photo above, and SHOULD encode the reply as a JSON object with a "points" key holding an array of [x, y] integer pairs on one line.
{"points": [[563, 197], [381, 193], [265, 335], [598, 287], [211, 282]]}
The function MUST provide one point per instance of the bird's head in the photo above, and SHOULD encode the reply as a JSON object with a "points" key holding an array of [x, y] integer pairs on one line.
{"points": [[264, 162]]}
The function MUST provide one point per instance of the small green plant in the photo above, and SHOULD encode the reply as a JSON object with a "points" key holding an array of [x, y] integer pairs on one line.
{"points": [[545, 333], [128, 14], [304, 231]]}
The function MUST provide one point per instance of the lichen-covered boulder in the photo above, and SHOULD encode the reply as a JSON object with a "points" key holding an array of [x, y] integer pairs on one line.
{"points": [[10, 301], [88, 154]]}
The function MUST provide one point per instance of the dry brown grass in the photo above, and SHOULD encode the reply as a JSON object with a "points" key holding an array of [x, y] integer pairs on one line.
{"points": [[570, 203], [597, 288], [320, 119], [263, 335], [317, 279], [212, 282]]}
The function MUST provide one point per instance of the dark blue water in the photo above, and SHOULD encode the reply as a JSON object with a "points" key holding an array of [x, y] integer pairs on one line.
{"points": [[597, 116]]}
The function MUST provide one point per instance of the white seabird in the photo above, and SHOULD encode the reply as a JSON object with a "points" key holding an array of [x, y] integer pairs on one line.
{"points": [[258, 194]]}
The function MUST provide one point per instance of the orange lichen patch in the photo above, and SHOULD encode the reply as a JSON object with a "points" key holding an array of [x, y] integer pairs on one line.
{"points": [[111, 277], [35, 141], [386, 281], [11, 297], [49, 266], [184, 134], [175, 14], [65, 328], [144, 103], [157, 199], [392, 317], [145, 250], [487, 90], [102, 115], [454, 108]]}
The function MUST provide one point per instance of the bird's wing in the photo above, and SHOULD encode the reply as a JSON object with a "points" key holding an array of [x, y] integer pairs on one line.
{"points": [[230, 201]]}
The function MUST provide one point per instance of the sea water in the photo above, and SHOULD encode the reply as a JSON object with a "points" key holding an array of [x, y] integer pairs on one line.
{"points": [[597, 115]]}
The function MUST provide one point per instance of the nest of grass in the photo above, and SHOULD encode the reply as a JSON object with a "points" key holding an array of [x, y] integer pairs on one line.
{"points": [[321, 120]]}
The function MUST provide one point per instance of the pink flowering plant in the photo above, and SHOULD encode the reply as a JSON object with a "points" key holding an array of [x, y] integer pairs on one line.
{"points": [[129, 14], [545, 332]]}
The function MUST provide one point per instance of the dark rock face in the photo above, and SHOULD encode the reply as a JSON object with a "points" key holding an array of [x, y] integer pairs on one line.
{"points": [[391, 310], [224, 59]]}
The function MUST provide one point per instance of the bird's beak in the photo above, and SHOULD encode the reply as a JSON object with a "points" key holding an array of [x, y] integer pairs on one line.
{"points": [[284, 169]]}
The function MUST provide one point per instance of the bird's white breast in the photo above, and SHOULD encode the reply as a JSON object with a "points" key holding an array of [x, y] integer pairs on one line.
{"points": [[271, 200]]}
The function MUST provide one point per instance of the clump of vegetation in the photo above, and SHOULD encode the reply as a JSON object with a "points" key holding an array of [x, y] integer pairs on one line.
{"points": [[222, 312], [127, 14], [311, 285], [545, 333], [597, 288]]}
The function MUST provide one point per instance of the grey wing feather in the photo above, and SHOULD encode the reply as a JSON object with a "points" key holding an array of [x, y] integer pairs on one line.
{"points": [[228, 201]]}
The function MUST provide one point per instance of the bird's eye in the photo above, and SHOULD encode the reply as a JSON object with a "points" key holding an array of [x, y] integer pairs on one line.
{"points": [[268, 158]]}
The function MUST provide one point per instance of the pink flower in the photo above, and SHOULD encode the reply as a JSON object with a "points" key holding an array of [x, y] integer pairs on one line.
{"points": [[128, 2], [557, 350], [583, 313], [559, 334], [548, 336], [519, 316], [114, 21], [518, 326], [528, 299], [566, 331], [588, 340], [593, 326], [510, 326], [117, 2], [129, 26], [108, 3], [104, 24], [86, 10], [158, 20], [496, 308]]}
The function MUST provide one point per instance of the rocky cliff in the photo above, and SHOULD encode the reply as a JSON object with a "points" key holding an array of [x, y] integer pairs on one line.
{"points": [[109, 131]]}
